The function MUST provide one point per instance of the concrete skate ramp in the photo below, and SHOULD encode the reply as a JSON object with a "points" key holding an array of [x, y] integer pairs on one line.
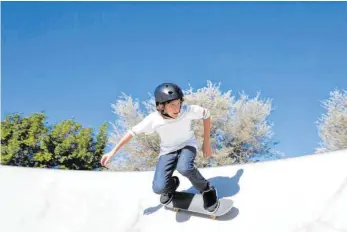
{"points": [[302, 194]]}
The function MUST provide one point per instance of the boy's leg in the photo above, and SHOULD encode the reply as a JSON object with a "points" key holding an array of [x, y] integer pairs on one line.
{"points": [[186, 167], [163, 183]]}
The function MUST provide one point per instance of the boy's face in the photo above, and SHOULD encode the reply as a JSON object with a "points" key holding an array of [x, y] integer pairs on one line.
{"points": [[173, 108]]}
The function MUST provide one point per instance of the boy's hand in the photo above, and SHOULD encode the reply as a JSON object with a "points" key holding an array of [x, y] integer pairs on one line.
{"points": [[105, 159], [207, 150]]}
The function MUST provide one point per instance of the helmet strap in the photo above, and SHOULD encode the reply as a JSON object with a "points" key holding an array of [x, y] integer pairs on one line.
{"points": [[165, 114]]}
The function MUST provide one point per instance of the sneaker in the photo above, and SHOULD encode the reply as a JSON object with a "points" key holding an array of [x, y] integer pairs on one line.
{"points": [[211, 202], [166, 198]]}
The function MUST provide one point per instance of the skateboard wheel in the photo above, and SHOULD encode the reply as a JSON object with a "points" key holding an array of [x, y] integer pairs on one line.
{"points": [[176, 210]]}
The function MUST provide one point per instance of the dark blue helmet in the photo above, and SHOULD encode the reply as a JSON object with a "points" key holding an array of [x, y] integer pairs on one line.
{"points": [[166, 92]]}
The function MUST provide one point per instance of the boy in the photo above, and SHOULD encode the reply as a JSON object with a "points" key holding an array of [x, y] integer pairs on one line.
{"points": [[178, 146]]}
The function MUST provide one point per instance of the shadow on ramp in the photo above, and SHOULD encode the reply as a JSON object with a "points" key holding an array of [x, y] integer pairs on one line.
{"points": [[226, 187], [151, 210]]}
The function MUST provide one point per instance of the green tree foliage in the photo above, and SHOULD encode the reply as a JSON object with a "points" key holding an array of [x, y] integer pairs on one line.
{"points": [[29, 142]]}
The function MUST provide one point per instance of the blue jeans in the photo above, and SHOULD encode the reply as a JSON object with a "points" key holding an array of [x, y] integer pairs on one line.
{"points": [[183, 161]]}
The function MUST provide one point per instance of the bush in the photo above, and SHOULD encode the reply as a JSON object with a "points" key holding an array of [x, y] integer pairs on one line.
{"points": [[29, 142], [332, 126]]}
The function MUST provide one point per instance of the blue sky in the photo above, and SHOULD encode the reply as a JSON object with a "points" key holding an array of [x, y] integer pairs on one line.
{"points": [[73, 59]]}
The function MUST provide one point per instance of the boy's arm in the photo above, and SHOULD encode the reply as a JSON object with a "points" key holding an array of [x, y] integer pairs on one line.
{"points": [[126, 138], [145, 126], [198, 112], [207, 129], [207, 132], [106, 157]]}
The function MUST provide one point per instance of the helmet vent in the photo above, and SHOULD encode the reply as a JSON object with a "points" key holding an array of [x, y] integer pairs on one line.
{"points": [[170, 92]]}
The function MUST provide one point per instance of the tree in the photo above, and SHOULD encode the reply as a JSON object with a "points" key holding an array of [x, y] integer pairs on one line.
{"points": [[30, 142], [332, 126], [239, 132]]}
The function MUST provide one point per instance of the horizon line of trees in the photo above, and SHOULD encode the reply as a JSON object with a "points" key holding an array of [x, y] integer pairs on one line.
{"points": [[241, 132]]}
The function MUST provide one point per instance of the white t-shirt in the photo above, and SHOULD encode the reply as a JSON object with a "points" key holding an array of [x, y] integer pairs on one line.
{"points": [[174, 133]]}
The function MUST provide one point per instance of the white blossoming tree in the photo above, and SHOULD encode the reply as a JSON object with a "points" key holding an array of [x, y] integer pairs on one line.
{"points": [[240, 131], [332, 126]]}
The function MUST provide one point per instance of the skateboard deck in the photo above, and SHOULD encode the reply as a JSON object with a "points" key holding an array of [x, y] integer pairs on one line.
{"points": [[194, 203]]}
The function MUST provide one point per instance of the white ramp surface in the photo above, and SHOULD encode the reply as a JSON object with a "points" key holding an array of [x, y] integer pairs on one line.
{"points": [[304, 194]]}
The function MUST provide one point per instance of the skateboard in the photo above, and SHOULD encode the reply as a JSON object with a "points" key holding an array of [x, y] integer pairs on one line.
{"points": [[191, 202]]}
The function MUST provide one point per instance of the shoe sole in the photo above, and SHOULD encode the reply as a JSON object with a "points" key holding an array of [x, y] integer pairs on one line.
{"points": [[216, 209], [168, 202]]}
